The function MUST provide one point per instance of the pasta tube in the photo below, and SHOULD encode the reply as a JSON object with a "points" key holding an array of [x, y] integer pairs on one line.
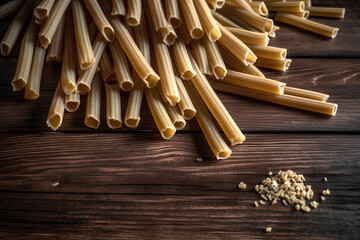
{"points": [[215, 59], [306, 94], [173, 13], [158, 111], [10, 7], [72, 102], [48, 29], [307, 24], [243, 4], [225, 21], [83, 43], [100, 20], [92, 117], [133, 16], [307, 3], [121, 68], [287, 100], [185, 105], [293, 6], [260, 8], [305, 14], [25, 58], [132, 115], [207, 20], [199, 54], [55, 50], [250, 37], [215, 4], [42, 10], [208, 127], [157, 14], [57, 107], [118, 7], [269, 52], [281, 65], [106, 68], [182, 60], [217, 108], [15, 27], [191, 18], [175, 116], [327, 12], [113, 106]]}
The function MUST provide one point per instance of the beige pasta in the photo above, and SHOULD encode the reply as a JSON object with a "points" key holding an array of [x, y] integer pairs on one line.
{"points": [[305, 14], [158, 111], [121, 67], [168, 35], [173, 13], [93, 104], [207, 20], [191, 18], [207, 125], [72, 102], [269, 52], [43, 9], [106, 68], [235, 45], [118, 8], [132, 115], [281, 65], [25, 58], [54, 52], [307, 24], [225, 21], [215, 4], [83, 43], [243, 24], [287, 100], [217, 108], [175, 116], [306, 94], [113, 106], [157, 14], [48, 29], [260, 8], [243, 4], [133, 15], [215, 59], [185, 105], [250, 37], [15, 27], [307, 2], [293, 6], [182, 60], [10, 7], [32, 88], [86, 77], [327, 12], [199, 54], [57, 108]]}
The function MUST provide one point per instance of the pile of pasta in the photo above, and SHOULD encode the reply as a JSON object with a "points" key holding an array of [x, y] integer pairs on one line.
{"points": [[173, 52]]}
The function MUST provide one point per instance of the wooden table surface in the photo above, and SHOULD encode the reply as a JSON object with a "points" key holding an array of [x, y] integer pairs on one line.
{"points": [[78, 183]]}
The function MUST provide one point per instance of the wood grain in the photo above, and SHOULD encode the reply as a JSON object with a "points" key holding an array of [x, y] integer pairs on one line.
{"points": [[122, 193]]}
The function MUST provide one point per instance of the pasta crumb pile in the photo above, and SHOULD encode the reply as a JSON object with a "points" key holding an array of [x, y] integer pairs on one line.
{"points": [[173, 53]]}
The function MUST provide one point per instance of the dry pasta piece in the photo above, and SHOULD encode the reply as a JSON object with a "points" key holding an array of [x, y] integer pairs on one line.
{"points": [[121, 67], [307, 2], [100, 20], [215, 4], [10, 7], [250, 37], [32, 88], [158, 111], [55, 50], [169, 35], [68, 68], [106, 68], [243, 24], [86, 77], [235, 45], [175, 116], [72, 102], [260, 8], [307, 24], [182, 60], [207, 125], [185, 105], [305, 14], [113, 106], [293, 6], [132, 115], [191, 18], [118, 7], [15, 27], [43, 9], [287, 100], [133, 15], [25, 57], [199, 54], [48, 29], [240, 4], [57, 108], [225, 21], [92, 116], [327, 12], [215, 59], [269, 52], [281, 65], [83, 43], [306, 94], [157, 14], [207, 20], [217, 108], [173, 13]]}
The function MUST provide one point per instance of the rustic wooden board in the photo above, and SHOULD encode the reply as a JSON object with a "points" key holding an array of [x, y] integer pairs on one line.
{"points": [[62, 185]]}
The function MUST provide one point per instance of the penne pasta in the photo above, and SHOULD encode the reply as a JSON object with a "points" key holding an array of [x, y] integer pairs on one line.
{"points": [[113, 106], [307, 3], [287, 100], [305, 14], [118, 8], [55, 50], [207, 20], [10, 7], [48, 29], [25, 58], [157, 14], [106, 68], [225, 21], [173, 13], [175, 116], [57, 108], [83, 43], [269, 52], [13, 31], [72, 101], [191, 18], [250, 37], [32, 88], [100, 20], [207, 125], [92, 116], [182, 60], [260, 8], [133, 15], [306, 94], [281, 65], [216, 107], [293, 6], [307, 24], [240, 4], [215, 4], [215, 59], [132, 115], [185, 105], [327, 12], [43, 9], [168, 35], [200, 57]]}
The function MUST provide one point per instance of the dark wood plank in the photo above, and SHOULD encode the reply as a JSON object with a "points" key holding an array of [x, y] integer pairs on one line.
{"points": [[76, 186], [338, 77]]}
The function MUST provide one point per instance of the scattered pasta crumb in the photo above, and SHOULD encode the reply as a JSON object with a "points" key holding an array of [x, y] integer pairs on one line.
{"points": [[325, 179], [242, 186], [314, 204], [323, 198], [268, 229], [256, 204], [326, 192], [198, 159], [262, 202], [270, 173]]}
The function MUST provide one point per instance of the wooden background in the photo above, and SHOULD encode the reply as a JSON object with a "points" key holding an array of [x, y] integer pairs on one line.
{"points": [[78, 183]]}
